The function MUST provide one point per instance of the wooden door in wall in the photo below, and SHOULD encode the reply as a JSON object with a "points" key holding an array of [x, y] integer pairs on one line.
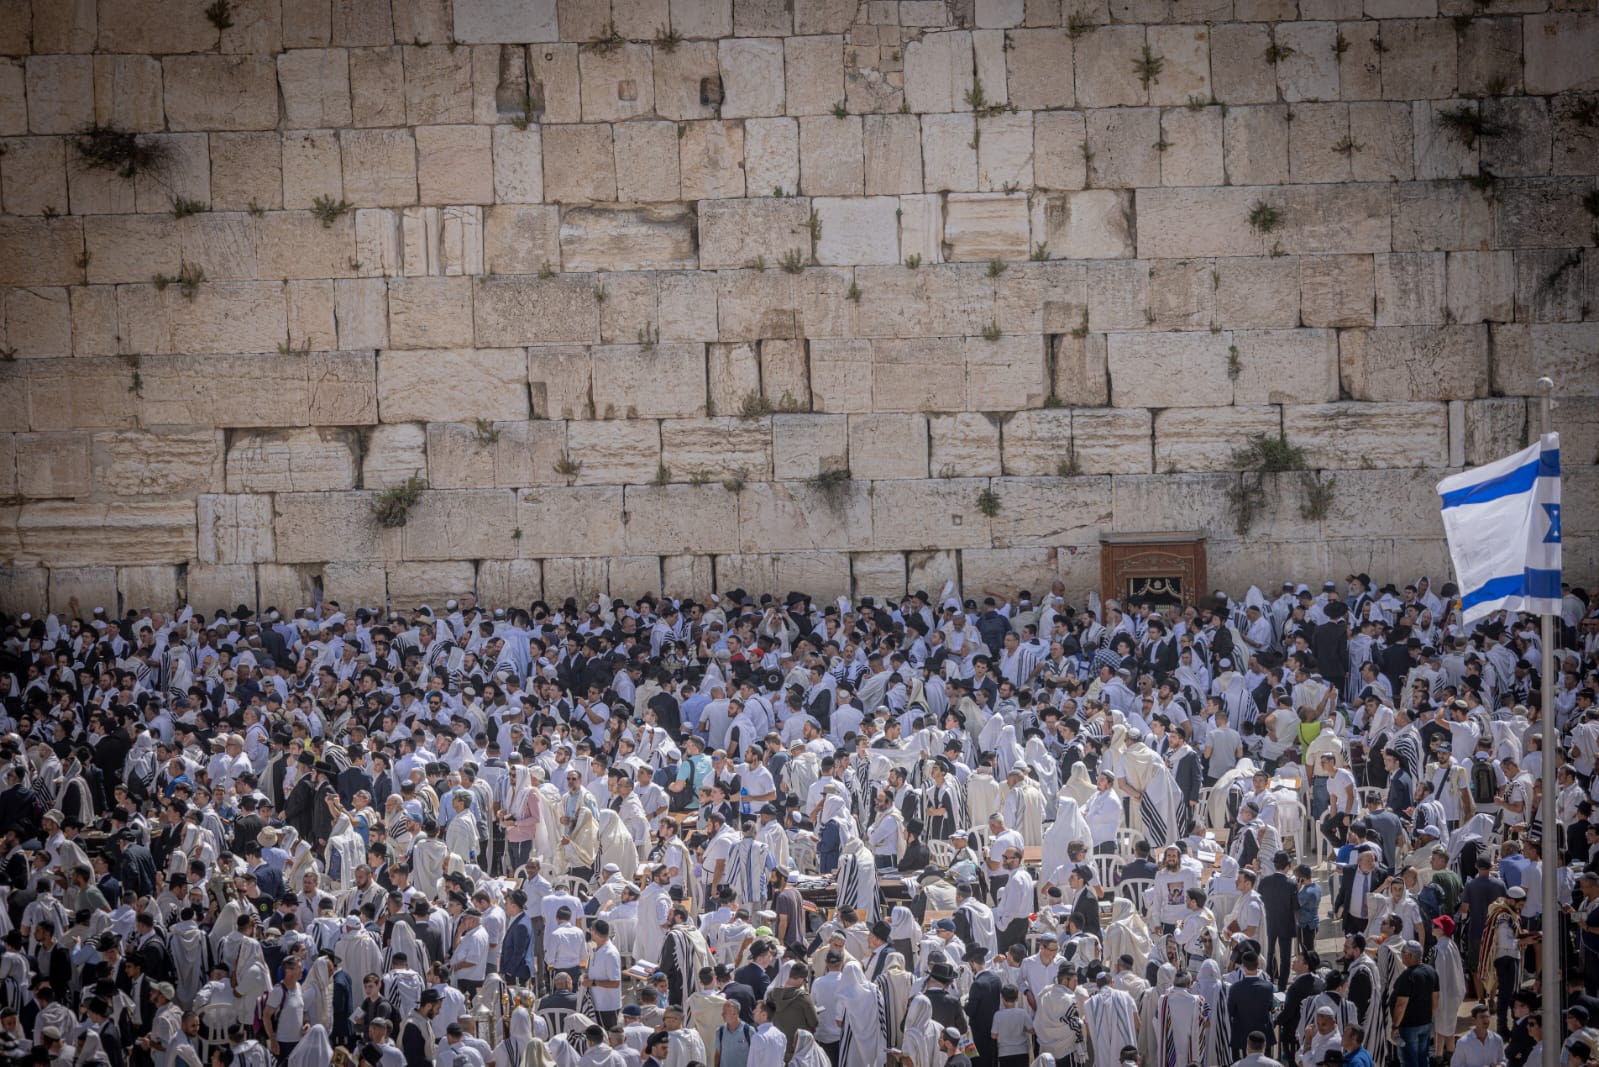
{"points": [[1165, 568]]}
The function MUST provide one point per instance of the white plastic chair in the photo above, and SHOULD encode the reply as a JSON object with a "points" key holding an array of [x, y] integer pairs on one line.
{"points": [[214, 1022], [1136, 888], [942, 853]]}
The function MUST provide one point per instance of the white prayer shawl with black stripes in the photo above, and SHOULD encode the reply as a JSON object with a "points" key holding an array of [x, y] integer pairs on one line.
{"points": [[748, 863], [894, 987], [857, 881], [1161, 811], [1407, 743], [1184, 1018], [864, 1040], [1111, 1015], [952, 799]]}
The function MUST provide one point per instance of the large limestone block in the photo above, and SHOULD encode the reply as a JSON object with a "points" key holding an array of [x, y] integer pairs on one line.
{"points": [[374, 72], [1313, 139], [394, 454], [86, 585], [520, 310], [1254, 292], [454, 385], [1046, 296], [771, 155], [683, 78], [361, 309], [832, 157], [577, 521], [963, 445], [928, 302], [209, 586], [1410, 288], [343, 388], [857, 230], [55, 246], [199, 391], [35, 176], [878, 574], [84, 393], [1481, 286], [577, 576], [752, 77], [1005, 153], [1493, 428], [123, 532], [949, 152], [939, 72], [1560, 47], [1058, 137], [1038, 443], [1105, 68], [454, 165], [1334, 218], [888, 446], [1286, 366], [679, 518], [1156, 502], [785, 373], [922, 375], [735, 233], [1194, 152], [1050, 511], [220, 92], [411, 585], [470, 523], [52, 465], [733, 374], [132, 26], [939, 513], [1336, 290], [317, 527], [1205, 439], [236, 528], [505, 21], [618, 84], [1039, 68], [1088, 224], [804, 446], [1009, 569], [1415, 363], [222, 317], [667, 380], [718, 448], [1182, 295], [518, 165], [315, 83], [1565, 352], [893, 154], [60, 93], [931, 569], [579, 163], [138, 463], [985, 226], [614, 451], [1310, 69], [1255, 149], [814, 68], [38, 322], [1540, 213], [1345, 435], [804, 515], [509, 581], [270, 461], [1105, 441], [1161, 370], [1122, 147], [438, 85], [559, 379], [823, 574], [1432, 216], [1006, 373], [1184, 223], [648, 169], [686, 306], [379, 167], [628, 238], [1386, 503], [521, 240]]}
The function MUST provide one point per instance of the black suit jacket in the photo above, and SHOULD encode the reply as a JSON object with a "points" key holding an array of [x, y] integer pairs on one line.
{"points": [[981, 1005], [1346, 885], [1085, 912], [744, 997], [1249, 1009], [947, 1010], [1279, 893]]}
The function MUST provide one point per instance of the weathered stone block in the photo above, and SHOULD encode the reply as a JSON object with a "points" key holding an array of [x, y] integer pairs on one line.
{"points": [[34, 178], [87, 585], [939, 72], [1257, 291], [447, 524], [292, 461], [684, 80], [733, 233], [1161, 370], [1186, 223], [510, 581], [717, 448], [1206, 439], [752, 77], [1346, 435], [1039, 69], [771, 155], [373, 74], [1286, 366], [804, 515], [1565, 352], [1410, 288], [857, 230], [1559, 51], [614, 451], [315, 84], [666, 381], [343, 388], [38, 322], [210, 586], [1336, 290], [51, 465], [1182, 295], [455, 385], [505, 21], [1256, 144], [579, 163], [1418, 61], [949, 152], [1050, 511], [1481, 286], [1106, 71], [1122, 148], [191, 391], [1314, 139], [929, 514], [878, 574], [454, 165], [679, 518], [1494, 428], [220, 92], [62, 532], [394, 453], [1237, 52], [888, 446], [826, 574], [922, 375], [411, 585], [647, 155], [60, 93], [317, 527], [513, 310], [1534, 213], [1386, 135], [1415, 363], [984, 226], [379, 167], [627, 238], [814, 69], [236, 529], [963, 445], [832, 161], [1058, 161], [581, 520], [127, 92], [137, 463]]}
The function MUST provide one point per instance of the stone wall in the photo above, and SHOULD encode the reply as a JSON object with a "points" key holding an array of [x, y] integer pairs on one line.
{"points": [[776, 293]]}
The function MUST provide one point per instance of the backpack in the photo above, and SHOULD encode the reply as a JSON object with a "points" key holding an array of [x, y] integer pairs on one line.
{"points": [[1484, 782]]}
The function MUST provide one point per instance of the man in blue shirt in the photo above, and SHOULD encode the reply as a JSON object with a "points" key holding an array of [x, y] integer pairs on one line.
{"points": [[1512, 864], [1308, 904], [1355, 1054]]}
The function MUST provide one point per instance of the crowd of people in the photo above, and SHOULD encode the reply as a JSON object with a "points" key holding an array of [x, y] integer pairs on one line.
{"points": [[740, 831]]}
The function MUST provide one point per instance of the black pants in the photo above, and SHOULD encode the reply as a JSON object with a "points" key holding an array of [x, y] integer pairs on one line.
{"points": [[1013, 933], [285, 1050], [1505, 974], [831, 1048], [1353, 925], [606, 1019], [1335, 828], [1018, 1060], [1279, 953], [468, 988], [987, 1050]]}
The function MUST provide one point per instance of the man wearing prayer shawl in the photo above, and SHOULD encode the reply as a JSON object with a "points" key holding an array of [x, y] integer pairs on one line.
{"points": [[864, 1030], [428, 858], [894, 985], [887, 833], [654, 912], [1057, 1021], [1111, 1021], [357, 952], [857, 881], [1209, 984], [1184, 1025], [1157, 801], [683, 953], [983, 793], [771, 834], [1149, 1033], [946, 802], [749, 864], [1023, 805], [1451, 982]]}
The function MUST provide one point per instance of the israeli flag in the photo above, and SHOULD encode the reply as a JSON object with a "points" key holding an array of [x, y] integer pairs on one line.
{"points": [[1503, 525]]}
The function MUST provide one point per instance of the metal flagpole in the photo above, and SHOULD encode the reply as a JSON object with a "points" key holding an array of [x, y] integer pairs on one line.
{"points": [[1554, 943]]}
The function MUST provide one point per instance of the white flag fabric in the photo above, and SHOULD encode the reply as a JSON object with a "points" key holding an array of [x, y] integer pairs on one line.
{"points": [[1503, 525]]}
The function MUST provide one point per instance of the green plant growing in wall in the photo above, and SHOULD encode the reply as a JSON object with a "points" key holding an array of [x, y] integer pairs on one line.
{"points": [[1276, 53], [988, 502], [1079, 25], [793, 261], [487, 432], [188, 280], [606, 41], [996, 267], [1148, 67], [220, 14], [392, 506], [913, 261], [832, 485], [183, 207], [668, 40], [1235, 364], [1040, 252], [1263, 218], [663, 475], [1318, 495], [840, 111], [568, 466], [991, 332], [123, 153], [327, 210], [1468, 125]]}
